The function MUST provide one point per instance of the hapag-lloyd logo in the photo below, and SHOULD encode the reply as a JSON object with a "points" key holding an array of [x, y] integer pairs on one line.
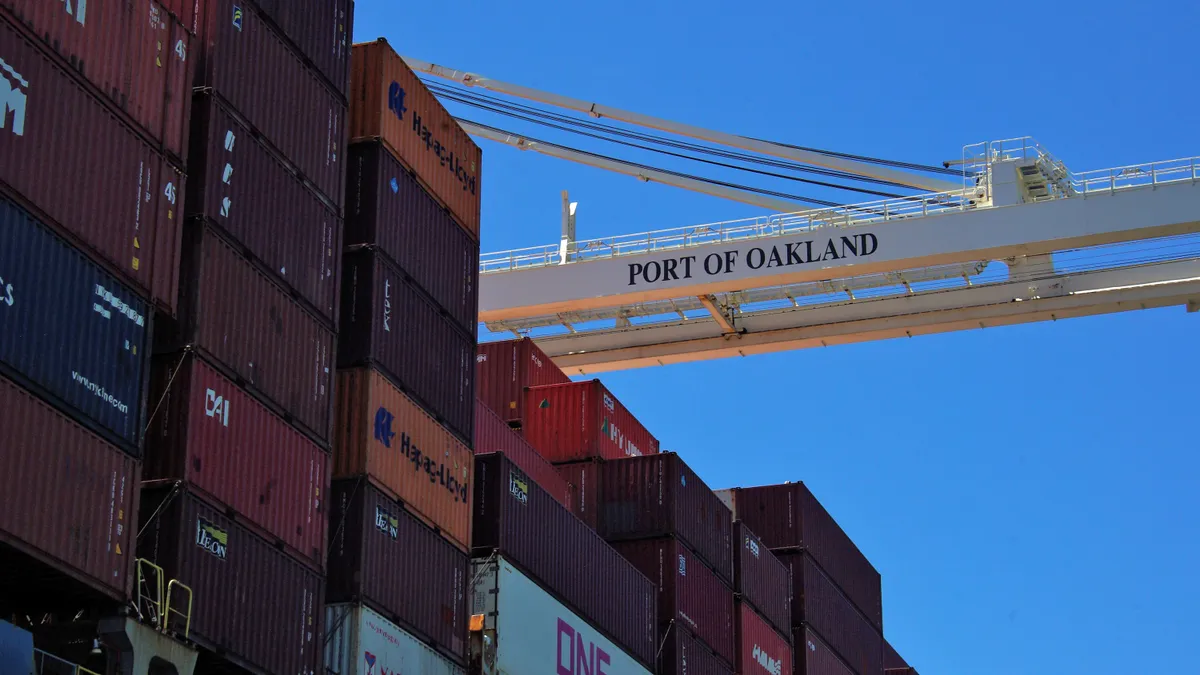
{"points": [[772, 666], [576, 658]]}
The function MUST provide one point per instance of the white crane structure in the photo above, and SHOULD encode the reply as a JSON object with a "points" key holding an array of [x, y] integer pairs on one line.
{"points": [[1070, 244]]}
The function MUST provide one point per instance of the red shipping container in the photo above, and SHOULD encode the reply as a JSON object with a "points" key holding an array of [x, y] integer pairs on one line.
{"points": [[215, 436], [683, 654], [247, 63], [71, 497], [789, 517], [660, 496], [891, 658], [760, 579], [251, 601], [493, 435], [321, 30], [582, 420], [761, 649], [382, 556], [819, 604], [135, 53], [581, 478], [689, 593], [244, 188], [504, 369], [814, 657], [55, 138]]}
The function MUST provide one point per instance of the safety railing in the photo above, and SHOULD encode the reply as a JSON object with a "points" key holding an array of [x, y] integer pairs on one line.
{"points": [[45, 663], [167, 607], [1137, 176]]}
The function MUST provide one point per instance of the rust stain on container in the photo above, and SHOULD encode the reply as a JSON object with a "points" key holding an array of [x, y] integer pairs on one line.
{"points": [[761, 649], [504, 369], [582, 420], [493, 435], [820, 605], [761, 579]]}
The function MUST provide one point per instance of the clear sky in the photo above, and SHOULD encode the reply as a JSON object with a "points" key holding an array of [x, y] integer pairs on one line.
{"points": [[1031, 495]]}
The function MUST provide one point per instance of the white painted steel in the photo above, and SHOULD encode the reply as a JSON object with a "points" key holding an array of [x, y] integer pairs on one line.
{"points": [[359, 641]]}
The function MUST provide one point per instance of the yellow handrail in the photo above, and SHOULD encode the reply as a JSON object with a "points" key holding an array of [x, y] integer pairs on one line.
{"points": [[187, 615]]}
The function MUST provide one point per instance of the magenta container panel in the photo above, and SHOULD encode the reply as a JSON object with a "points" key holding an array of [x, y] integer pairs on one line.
{"points": [[658, 496], [684, 654], [582, 420], [250, 65], [814, 657], [761, 649], [519, 520], [384, 557], [212, 434], [321, 30], [581, 478], [688, 591], [245, 189], [256, 603], [493, 435], [760, 579], [504, 369], [820, 605], [56, 137]]}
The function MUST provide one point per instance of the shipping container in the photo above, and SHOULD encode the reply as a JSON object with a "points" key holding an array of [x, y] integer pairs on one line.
{"points": [[493, 435], [77, 494], [761, 649], [382, 556], [384, 434], [256, 605], [900, 671], [582, 420], [134, 53], [240, 318], [360, 641], [56, 137], [789, 517], [384, 316], [215, 436], [517, 519], [819, 604], [581, 479], [760, 579], [244, 188], [891, 658], [387, 208], [250, 65], [389, 102], [503, 371], [660, 496], [321, 32], [683, 653], [521, 628], [814, 657], [71, 330]]}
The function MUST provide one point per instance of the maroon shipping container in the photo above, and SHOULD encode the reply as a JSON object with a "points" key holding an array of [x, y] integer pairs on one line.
{"points": [[493, 435], [382, 556], [683, 654], [789, 517], [56, 138], [819, 604], [582, 420], [761, 649], [519, 520], [321, 31], [814, 657], [240, 185], [688, 591], [239, 317], [388, 322], [891, 658], [218, 438], [581, 478], [660, 496], [503, 371], [254, 603], [70, 497], [900, 671], [247, 63], [761, 579], [386, 207]]}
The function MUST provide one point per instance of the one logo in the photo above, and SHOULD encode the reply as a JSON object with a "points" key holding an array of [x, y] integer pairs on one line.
{"points": [[237, 18], [230, 139], [609, 403], [370, 659], [77, 9], [387, 306], [383, 426], [396, 100], [216, 406], [395, 185], [169, 192], [212, 538], [753, 546], [682, 566], [12, 98], [518, 486], [387, 523], [772, 666]]}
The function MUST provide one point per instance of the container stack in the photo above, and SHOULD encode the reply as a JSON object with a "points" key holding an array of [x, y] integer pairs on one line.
{"points": [[762, 587]]}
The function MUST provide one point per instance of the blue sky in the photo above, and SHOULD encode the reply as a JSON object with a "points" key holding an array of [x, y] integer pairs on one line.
{"points": [[1030, 494]]}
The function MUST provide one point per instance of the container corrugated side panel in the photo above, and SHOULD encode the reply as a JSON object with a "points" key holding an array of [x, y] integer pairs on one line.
{"points": [[222, 441], [77, 495], [761, 579], [384, 434], [321, 32], [684, 654], [582, 479], [761, 649], [819, 604], [389, 102], [54, 139], [71, 330], [505, 368], [493, 435], [892, 658], [360, 641], [582, 420], [814, 657]]}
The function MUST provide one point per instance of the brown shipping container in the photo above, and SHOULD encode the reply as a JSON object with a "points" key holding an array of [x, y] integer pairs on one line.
{"points": [[387, 208], [389, 102], [384, 434], [789, 517], [388, 322], [321, 30], [519, 520], [256, 604], [57, 140], [240, 318], [244, 188], [504, 369], [814, 657], [583, 420], [250, 65], [71, 497], [382, 556], [819, 604], [493, 435], [891, 658], [760, 579], [581, 478], [212, 434], [688, 591], [683, 654], [660, 496], [761, 649]]}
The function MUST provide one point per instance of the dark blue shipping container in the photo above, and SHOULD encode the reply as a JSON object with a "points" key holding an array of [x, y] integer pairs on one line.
{"points": [[69, 331]]}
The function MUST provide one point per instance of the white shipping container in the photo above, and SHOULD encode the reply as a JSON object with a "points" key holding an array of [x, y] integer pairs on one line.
{"points": [[526, 631], [361, 642]]}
